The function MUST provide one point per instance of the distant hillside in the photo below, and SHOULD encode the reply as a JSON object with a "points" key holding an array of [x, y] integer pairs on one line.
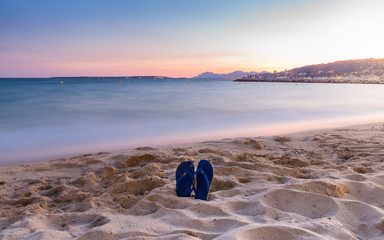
{"points": [[358, 67], [236, 74]]}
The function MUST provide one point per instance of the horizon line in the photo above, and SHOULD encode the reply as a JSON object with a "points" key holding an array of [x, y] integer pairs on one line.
{"points": [[124, 76]]}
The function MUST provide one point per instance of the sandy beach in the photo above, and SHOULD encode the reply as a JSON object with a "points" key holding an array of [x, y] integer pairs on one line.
{"points": [[325, 184]]}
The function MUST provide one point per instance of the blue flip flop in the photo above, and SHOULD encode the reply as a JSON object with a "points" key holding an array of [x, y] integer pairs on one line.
{"points": [[204, 176], [184, 179]]}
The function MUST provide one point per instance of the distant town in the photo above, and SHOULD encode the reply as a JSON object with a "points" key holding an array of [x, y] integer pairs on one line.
{"points": [[369, 71], [361, 71]]}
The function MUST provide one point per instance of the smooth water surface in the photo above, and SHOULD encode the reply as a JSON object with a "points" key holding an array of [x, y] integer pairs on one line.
{"points": [[44, 118]]}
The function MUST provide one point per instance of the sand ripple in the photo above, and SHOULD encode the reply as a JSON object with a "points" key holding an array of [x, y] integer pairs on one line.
{"points": [[319, 185]]}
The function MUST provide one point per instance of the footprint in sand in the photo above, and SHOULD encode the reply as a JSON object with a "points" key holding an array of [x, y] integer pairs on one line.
{"points": [[367, 192], [356, 177], [306, 204], [278, 232], [362, 219], [55, 226], [326, 188], [66, 193], [248, 208]]}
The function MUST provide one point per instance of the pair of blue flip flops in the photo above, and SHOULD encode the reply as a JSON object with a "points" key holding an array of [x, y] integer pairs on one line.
{"points": [[186, 182]]}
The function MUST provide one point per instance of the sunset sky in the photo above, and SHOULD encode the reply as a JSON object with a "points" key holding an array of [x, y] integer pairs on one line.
{"points": [[180, 38]]}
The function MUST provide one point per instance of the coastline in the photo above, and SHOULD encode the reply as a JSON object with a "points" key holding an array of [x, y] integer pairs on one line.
{"points": [[314, 80], [61, 152], [317, 184]]}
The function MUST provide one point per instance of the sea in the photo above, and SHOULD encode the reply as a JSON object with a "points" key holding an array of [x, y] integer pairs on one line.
{"points": [[42, 119]]}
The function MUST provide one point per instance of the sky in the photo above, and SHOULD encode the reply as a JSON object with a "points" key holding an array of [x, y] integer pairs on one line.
{"points": [[183, 38]]}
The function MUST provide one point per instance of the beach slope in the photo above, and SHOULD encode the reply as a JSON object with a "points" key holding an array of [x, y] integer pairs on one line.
{"points": [[324, 184]]}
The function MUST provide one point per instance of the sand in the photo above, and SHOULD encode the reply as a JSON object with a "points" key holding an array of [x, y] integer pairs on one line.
{"points": [[324, 184]]}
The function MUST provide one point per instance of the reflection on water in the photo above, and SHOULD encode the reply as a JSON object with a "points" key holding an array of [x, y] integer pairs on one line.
{"points": [[45, 118]]}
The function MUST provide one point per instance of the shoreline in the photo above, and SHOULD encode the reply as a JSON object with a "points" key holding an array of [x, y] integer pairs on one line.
{"points": [[158, 142], [316, 184], [329, 80]]}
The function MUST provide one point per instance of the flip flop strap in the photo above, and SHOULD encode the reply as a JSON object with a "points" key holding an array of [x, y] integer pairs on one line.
{"points": [[201, 170], [187, 172]]}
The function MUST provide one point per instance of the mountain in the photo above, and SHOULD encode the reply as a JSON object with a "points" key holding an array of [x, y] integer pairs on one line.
{"points": [[235, 74], [345, 68], [359, 67]]}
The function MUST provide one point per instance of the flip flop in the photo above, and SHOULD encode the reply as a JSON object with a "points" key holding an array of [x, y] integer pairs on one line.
{"points": [[184, 179], [204, 176]]}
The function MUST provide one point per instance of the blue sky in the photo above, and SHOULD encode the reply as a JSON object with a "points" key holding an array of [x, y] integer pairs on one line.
{"points": [[182, 38]]}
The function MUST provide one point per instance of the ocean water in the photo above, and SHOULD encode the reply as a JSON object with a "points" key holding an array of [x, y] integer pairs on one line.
{"points": [[43, 119]]}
